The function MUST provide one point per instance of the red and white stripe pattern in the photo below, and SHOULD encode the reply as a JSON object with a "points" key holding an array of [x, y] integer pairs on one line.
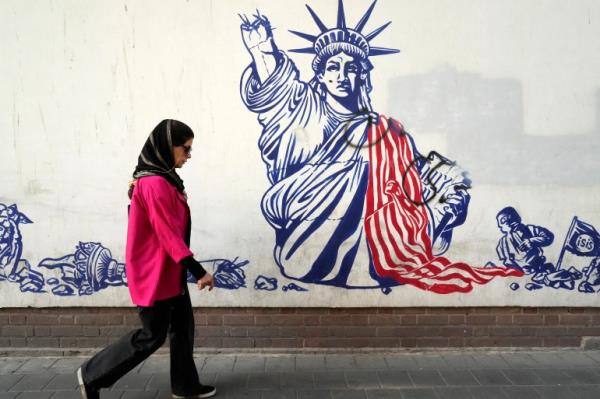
{"points": [[396, 227]]}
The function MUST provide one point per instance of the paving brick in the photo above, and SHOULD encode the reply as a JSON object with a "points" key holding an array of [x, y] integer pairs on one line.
{"points": [[348, 394], [577, 359], [487, 393], [362, 379], [458, 361], [546, 359], [594, 355], [582, 376], [35, 365], [490, 377], [330, 379], [160, 381], [418, 393], [459, 377], [402, 362], [66, 365], [310, 362], [521, 393], [430, 362], [155, 364], [264, 380], [523, 377], [394, 379], [280, 363], [8, 381], [519, 360], [252, 364], [132, 382], [382, 394], [586, 392], [62, 382], [32, 382], [313, 393], [489, 361], [35, 395], [371, 362], [554, 377], [8, 366], [298, 380], [453, 393], [219, 363], [555, 392], [139, 394], [339, 362], [291, 394], [67, 395], [426, 378], [238, 395]]}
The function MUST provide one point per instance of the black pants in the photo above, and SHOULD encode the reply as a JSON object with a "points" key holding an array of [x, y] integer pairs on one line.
{"points": [[172, 316]]}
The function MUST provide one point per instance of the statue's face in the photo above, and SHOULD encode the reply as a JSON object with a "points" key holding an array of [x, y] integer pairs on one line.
{"points": [[340, 75]]}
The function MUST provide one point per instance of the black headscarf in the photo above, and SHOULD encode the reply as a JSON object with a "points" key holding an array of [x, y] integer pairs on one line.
{"points": [[156, 158]]}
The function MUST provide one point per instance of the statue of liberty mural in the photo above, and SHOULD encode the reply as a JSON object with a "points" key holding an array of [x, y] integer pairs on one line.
{"points": [[352, 201]]}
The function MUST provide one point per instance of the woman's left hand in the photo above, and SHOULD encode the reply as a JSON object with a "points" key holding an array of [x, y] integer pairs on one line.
{"points": [[206, 281]]}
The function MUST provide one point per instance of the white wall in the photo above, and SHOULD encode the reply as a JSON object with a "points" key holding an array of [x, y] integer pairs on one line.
{"points": [[509, 89]]}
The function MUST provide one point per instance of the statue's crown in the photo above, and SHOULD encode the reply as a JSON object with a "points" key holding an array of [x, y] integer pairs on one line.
{"points": [[341, 34]]}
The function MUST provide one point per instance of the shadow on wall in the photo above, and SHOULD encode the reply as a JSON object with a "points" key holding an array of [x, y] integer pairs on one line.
{"points": [[487, 115]]}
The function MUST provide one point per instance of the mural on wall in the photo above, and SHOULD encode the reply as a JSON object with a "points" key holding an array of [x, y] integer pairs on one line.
{"points": [[354, 205], [352, 201], [89, 269], [521, 247]]}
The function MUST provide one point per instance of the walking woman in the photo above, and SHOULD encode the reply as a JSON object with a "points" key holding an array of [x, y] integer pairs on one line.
{"points": [[157, 260]]}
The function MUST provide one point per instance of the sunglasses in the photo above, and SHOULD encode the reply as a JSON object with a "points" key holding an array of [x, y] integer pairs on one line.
{"points": [[186, 149]]}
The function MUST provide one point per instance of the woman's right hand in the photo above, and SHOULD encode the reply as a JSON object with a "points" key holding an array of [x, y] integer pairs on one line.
{"points": [[206, 281]]}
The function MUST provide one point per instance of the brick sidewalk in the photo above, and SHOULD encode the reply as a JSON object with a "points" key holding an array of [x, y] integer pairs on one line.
{"points": [[486, 375]]}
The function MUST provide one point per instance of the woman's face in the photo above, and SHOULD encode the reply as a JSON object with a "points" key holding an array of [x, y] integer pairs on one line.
{"points": [[340, 75], [182, 153]]}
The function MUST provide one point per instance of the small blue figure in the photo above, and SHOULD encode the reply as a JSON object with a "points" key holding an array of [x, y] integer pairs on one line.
{"points": [[293, 287], [227, 273], [89, 269], [12, 267], [521, 245], [265, 283], [592, 277]]}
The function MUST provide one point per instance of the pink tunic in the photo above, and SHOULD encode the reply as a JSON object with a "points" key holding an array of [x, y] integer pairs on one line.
{"points": [[158, 219]]}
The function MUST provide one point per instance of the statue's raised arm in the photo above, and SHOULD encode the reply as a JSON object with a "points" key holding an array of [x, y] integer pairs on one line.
{"points": [[257, 36]]}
